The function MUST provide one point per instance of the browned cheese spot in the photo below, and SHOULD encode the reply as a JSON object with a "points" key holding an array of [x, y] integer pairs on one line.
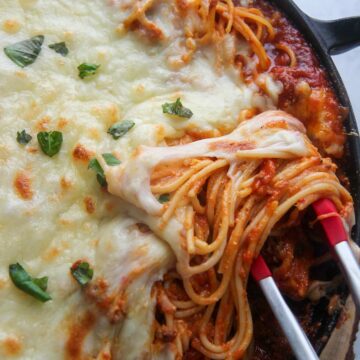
{"points": [[81, 153], [62, 123], [32, 149], [43, 123], [3, 283], [78, 331], [89, 205], [11, 26], [65, 183], [11, 346], [22, 184], [51, 253]]}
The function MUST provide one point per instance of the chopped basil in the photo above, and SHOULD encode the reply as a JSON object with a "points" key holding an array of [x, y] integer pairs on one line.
{"points": [[177, 108], [32, 286], [23, 137], [163, 198], [50, 142], [100, 176], [42, 283], [82, 272], [25, 52], [120, 129], [86, 70], [111, 160], [60, 48]]}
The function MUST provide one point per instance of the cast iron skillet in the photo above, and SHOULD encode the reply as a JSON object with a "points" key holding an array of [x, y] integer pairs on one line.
{"points": [[331, 38]]}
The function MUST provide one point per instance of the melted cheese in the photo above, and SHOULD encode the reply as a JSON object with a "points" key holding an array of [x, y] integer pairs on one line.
{"points": [[273, 134], [134, 261], [131, 180], [65, 215]]}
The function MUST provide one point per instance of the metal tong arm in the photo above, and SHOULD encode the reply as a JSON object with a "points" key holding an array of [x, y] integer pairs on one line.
{"points": [[337, 238]]}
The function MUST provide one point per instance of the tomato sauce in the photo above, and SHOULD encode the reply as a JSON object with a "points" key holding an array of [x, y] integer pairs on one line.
{"points": [[307, 93]]}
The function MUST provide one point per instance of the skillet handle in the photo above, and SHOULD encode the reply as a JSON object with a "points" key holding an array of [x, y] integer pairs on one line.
{"points": [[338, 35]]}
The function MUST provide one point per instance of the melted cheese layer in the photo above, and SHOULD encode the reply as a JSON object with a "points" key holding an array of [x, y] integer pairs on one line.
{"points": [[272, 134], [251, 139], [65, 216]]}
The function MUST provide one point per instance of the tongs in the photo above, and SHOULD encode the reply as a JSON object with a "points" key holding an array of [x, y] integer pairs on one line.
{"points": [[337, 239]]}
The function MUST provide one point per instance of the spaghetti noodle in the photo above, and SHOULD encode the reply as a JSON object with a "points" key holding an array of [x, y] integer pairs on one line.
{"points": [[227, 195], [208, 22], [287, 50]]}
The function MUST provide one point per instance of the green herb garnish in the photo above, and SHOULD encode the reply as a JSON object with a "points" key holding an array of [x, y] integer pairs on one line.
{"points": [[100, 175], [120, 129], [82, 272], [42, 283], [25, 52], [86, 70], [177, 108], [60, 48], [111, 160], [163, 198], [50, 142], [23, 137], [32, 286]]}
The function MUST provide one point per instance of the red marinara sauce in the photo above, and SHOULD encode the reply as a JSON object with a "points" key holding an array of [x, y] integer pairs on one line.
{"points": [[307, 93]]}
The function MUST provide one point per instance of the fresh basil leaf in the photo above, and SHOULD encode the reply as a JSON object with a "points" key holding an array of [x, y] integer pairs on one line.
{"points": [[111, 160], [25, 52], [163, 198], [177, 108], [82, 272], [42, 282], [86, 70], [50, 142], [95, 165], [23, 137], [100, 175], [23, 281], [120, 129], [60, 48]]}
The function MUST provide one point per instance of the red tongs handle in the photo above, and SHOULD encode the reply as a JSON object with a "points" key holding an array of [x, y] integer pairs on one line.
{"points": [[330, 221], [337, 238]]}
